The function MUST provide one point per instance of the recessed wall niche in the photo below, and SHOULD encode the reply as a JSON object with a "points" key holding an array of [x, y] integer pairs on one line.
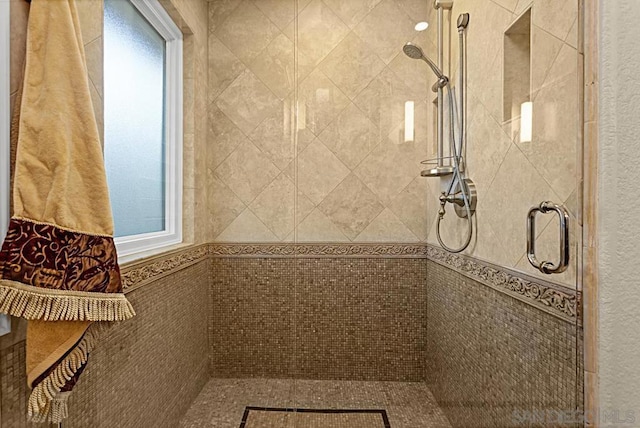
{"points": [[517, 67]]}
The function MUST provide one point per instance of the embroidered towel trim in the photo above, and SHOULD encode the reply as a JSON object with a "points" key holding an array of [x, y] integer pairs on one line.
{"points": [[58, 263]]}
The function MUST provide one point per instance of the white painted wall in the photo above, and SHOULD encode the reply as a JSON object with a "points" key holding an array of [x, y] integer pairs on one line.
{"points": [[619, 212]]}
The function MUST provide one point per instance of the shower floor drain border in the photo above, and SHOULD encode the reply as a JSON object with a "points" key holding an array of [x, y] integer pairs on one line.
{"points": [[248, 409]]}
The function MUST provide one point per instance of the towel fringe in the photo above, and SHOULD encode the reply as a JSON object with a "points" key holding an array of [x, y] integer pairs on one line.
{"points": [[47, 403], [48, 305]]}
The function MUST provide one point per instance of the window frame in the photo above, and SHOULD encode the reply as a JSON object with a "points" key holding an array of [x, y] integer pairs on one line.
{"points": [[5, 134], [132, 247], [5, 117]]}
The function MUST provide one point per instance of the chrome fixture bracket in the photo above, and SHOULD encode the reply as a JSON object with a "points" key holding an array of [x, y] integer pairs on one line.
{"points": [[546, 266], [439, 171], [442, 170], [445, 4], [457, 199]]}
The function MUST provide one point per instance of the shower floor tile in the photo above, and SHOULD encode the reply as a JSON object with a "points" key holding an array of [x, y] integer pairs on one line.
{"points": [[222, 402]]}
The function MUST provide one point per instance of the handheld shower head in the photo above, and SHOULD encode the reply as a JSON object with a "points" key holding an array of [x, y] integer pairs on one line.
{"points": [[415, 52]]}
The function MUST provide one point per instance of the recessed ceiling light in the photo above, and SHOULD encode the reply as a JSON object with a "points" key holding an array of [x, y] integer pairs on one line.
{"points": [[421, 26]]}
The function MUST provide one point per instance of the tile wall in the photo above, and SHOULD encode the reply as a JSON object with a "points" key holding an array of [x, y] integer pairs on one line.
{"points": [[512, 175], [144, 372], [352, 177], [495, 361], [318, 318], [347, 174]]}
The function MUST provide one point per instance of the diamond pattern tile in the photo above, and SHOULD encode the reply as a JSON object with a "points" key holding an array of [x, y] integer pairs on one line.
{"points": [[319, 30], [351, 136], [322, 99], [352, 11], [351, 206], [224, 67], [387, 170], [275, 136], [319, 171], [356, 176], [352, 65], [386, 29], [223, 137], [383, 101], [247, 228], [247, 31], [247, 102], [275, 206], [386, 227], [224, 205], [247, 171], [414, 206], [275, 66]]}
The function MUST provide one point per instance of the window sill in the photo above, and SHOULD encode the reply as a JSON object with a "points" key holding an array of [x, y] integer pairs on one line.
{"points": [[141, 256]]}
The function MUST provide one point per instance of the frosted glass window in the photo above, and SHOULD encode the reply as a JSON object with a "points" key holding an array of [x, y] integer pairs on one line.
{"points": [[134, 115]]}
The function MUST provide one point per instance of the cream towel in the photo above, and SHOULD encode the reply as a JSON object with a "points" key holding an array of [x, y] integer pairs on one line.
{"points": [[58, 264]]}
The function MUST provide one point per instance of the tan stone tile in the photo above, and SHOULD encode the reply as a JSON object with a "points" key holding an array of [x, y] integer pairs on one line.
{"points": [[223, 137], [416, 207], [275, 206], [247, 228], [189, 100], [556, 17], [353, 11], [223, 205], [507, 4], [351, 206], [317, 227], [351, 65], [387, 227], [275, 66], [423, 144], [188, 162], [94, 53], [572, 37], [224, 67], [90, 16], [219, 11], [319, 171], [247, 171], [281, 12], [247, 31], [418, 10], [323, 101], [275, 136], [556, 126], [98, 109], [351, 136], [526, 188], [522, 6], [487, 144], [383, 101], [544, 51], [247, 102], [386, 29], [388, 169], [319, 31]]}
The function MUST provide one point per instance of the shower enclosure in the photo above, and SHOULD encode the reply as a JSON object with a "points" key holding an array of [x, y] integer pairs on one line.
{"points": [[312, 277], [328, 280]]}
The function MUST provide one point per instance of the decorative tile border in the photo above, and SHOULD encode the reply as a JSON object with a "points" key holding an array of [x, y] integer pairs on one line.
{"points": [[555, 299], [140, 273], [319, 250]]}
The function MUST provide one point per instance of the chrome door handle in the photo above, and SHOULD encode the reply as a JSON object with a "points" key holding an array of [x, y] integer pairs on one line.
{"points": [[546, 266]]}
